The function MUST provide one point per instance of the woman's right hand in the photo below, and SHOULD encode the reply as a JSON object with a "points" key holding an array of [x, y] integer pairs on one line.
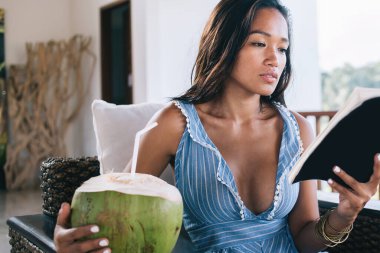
{"points": [[68, 239]]}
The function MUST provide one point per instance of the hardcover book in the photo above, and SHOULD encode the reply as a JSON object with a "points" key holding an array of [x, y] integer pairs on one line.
{"points": [[350, 141]]}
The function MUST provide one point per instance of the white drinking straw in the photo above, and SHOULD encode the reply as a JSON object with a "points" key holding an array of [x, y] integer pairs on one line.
{"points": [[136, 146]]}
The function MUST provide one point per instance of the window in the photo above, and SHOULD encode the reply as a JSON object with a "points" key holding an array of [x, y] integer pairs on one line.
{"points": [[349, 56]]}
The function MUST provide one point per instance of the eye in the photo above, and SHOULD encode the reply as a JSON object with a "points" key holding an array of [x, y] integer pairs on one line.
{"points": [[283, 50], [258, 44]]}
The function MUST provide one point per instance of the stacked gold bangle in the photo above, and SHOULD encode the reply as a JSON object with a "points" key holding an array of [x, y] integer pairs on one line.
{"points": [[333, 239]]}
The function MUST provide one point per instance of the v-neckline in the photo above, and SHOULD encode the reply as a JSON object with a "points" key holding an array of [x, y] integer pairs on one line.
{"points": [[229, 171]]}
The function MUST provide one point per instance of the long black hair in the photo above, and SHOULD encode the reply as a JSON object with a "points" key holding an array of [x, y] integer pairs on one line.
{"points": [[224, 35]]}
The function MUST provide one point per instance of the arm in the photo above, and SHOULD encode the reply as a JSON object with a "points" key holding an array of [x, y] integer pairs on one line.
{"points": [[157, 147], [303, 218]]}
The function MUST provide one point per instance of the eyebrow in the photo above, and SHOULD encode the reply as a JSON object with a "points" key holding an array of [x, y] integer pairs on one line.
{"points": [[267, 34]]}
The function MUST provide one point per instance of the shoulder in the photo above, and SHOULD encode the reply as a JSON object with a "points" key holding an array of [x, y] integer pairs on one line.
{"points": [[306, 131], [171, 125], [171, 117], [158, 146]]}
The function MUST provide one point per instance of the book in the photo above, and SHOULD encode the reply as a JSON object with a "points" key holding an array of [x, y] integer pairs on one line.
{"points": [[350, 141]]}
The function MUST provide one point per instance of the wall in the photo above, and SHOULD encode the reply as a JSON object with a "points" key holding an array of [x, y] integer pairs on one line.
{"points": [[29, 21], [305, 93], [175, 28], [85, 19]]}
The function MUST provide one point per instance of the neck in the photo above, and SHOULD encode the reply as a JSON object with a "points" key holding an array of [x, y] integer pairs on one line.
{"points": [[237, 109]]}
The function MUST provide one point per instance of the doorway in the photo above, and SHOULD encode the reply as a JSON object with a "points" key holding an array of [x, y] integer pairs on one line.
{"points": [[116, 52]]}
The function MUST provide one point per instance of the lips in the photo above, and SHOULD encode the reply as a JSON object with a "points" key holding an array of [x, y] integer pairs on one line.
{"points": [[269, 77]]}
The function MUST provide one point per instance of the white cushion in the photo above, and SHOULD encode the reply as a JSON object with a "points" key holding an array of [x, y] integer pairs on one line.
{"points": [[115, 129]]}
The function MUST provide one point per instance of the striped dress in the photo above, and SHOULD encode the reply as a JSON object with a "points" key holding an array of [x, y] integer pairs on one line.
{"points": [[214, 214]]}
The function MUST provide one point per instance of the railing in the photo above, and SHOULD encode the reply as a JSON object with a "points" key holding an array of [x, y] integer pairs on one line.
{"points": [[320, 119]]}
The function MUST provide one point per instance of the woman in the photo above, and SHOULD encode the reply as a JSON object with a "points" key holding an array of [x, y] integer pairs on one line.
{"points": [[232, 142]]}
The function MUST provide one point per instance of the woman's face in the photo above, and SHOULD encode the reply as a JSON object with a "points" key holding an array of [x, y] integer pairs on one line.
{"points": [[262, 58]]}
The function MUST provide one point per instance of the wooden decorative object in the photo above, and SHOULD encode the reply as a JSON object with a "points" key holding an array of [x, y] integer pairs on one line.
{"points": [[44, 97]]}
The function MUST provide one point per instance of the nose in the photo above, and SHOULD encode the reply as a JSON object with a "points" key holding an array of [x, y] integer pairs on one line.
{"points": [[271, 57]]}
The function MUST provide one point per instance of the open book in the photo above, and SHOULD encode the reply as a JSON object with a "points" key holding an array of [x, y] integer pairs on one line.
{"points": [[350, 141]]}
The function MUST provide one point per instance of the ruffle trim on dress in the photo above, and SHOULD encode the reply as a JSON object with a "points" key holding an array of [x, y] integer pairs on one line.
{"points": [[234, 193], [278, 193], [277, 196], [295, 124]]}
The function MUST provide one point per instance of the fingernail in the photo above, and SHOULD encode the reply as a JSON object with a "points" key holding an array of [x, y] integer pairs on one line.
{"points": [[103, 243], [94, 229], [378, 157], [107, 251], [336, 169], [60, 209], [330, 181]]}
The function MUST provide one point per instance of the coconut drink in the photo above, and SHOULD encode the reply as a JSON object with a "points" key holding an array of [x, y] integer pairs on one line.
{"points": [[137, 213]]}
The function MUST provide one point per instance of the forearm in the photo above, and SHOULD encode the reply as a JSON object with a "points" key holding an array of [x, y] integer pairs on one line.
{"points": [[307, 240]]}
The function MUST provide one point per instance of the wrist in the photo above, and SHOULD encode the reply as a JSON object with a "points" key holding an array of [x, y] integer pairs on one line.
{"points": [[331, 236], [338, 221]]}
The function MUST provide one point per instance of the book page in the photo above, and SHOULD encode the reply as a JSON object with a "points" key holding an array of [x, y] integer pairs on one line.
{"points": [[357, 97]]}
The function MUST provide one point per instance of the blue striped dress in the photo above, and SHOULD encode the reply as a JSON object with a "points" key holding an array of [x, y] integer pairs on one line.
{"points": [[214, 214]]}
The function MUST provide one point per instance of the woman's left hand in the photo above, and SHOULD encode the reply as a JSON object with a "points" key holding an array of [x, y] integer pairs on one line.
{"points": [[352, 201]]}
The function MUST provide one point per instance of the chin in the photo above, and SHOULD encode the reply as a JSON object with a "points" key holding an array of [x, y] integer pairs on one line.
{"points": [[269, 89], [266, 92]]}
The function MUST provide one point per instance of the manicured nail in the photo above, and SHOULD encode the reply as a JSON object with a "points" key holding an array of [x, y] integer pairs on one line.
{"points": [[103, 243], [330, 182], [336, 169], [378, 157], [94, 229], [60, 209], [107, 251]]}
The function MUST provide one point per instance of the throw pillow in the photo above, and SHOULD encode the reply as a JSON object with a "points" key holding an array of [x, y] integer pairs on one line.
{"points": [[115, 129]]}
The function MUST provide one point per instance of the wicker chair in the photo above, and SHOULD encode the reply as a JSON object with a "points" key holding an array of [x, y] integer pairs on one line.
{"points": [[61, 176]]}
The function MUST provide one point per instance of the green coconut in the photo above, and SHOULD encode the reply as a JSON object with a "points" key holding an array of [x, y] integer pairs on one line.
{"points": [[139, 214]]}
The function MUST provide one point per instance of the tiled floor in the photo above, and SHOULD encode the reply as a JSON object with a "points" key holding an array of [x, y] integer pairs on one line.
{"points": [[13, 204]]}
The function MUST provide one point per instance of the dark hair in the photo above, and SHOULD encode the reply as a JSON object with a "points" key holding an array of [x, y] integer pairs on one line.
{"points": [[223, 36]]}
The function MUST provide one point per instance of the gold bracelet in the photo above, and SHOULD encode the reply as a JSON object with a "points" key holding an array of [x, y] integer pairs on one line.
{"points": [[333, 239], [346, 230]]}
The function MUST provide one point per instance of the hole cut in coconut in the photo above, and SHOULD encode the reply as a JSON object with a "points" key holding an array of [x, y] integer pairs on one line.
{"points": [[139, 184]]}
